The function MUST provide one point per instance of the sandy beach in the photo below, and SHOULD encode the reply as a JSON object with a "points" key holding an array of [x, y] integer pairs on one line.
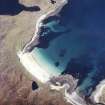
{"points": [[33, 68], [15, 32], [98, 92], [26, 57], [43, 75]]}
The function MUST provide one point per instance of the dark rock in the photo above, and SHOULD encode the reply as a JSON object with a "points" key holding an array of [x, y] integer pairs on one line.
{"points": [[53, 1], [34, 85]]}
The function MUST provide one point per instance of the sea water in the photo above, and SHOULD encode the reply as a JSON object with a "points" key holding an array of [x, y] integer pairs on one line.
{"points": [[75, 42]]}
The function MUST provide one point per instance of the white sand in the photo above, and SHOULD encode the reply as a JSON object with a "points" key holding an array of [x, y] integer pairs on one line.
{"points": [[73, 98], [26, 58], [58, 88], [98, 92], [32, 67], [42, 75]]}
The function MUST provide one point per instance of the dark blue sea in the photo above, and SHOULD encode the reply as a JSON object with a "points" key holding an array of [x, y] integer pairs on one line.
{"points": [[73, 42]]}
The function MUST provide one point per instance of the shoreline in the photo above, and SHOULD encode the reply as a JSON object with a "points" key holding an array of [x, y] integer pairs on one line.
{"points": [[98, 92], [30, 65], [26, 57], [42, 75], [33, 41]]}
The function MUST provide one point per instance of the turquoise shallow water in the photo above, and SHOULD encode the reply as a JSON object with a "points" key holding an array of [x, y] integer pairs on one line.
{"points": [[74, 42], [45, 62]]}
